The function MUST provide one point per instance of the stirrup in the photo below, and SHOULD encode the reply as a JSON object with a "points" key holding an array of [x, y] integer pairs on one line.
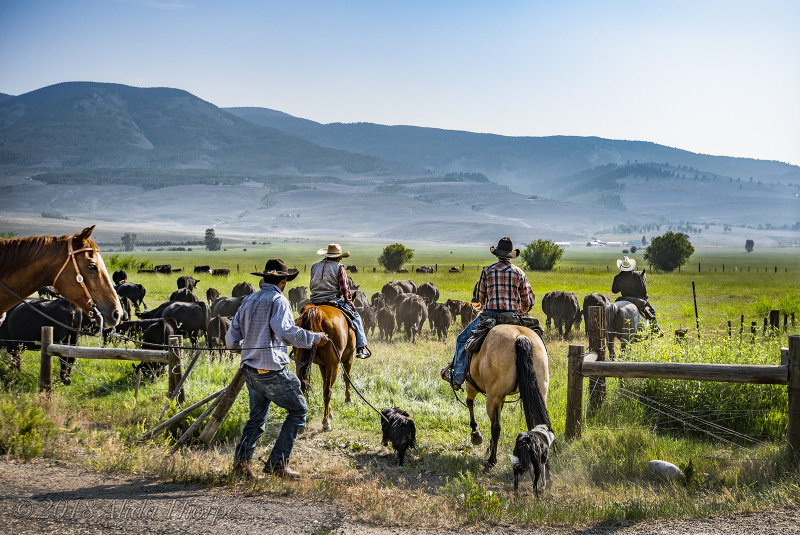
{"points": [[363, 352]]}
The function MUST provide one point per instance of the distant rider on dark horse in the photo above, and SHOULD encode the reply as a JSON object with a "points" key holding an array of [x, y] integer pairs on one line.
{"points": [[633, 287], [329, 285], [503, 287]]}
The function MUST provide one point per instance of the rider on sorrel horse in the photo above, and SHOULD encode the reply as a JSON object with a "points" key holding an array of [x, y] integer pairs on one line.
{"points": [[70, 263]]}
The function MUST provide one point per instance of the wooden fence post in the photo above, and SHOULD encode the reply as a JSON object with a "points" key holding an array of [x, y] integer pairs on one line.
{"points": [[46, 369], [224, 405], [793, 427], [774, 320], [753, 328], [597, 333], [175, 368], [574, 392]]}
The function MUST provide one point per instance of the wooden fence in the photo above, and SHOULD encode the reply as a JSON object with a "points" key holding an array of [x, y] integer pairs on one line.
{"points": [[171, 357], [594, 366]]}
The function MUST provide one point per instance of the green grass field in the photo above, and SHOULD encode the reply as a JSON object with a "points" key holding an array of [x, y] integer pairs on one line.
{"points": [[599, 478]]}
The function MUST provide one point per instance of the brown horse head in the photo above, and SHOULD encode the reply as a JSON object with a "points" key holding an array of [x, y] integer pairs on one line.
{"points": [[82, 278]]}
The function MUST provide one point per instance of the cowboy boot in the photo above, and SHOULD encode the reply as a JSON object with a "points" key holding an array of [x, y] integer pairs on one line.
{"points": [[243, 470], [363, 352]]}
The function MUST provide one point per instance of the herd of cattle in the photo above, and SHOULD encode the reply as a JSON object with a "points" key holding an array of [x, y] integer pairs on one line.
{"points": [[401, 305]]}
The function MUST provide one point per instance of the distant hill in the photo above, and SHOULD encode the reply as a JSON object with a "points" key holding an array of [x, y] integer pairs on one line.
{"points": [[4, 96], [110, 126], [533, 165]]}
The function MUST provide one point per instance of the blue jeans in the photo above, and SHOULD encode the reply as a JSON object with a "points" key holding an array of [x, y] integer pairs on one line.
{"points": [[361, 336], [279, 387], [460, 358]]}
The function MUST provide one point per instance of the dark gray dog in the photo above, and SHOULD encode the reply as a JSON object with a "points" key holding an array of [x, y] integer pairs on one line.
{"points": [[532, 455], [399, 429]]}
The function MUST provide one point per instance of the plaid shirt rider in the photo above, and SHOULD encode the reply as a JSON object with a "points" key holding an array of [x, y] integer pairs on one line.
{"points": [[504, 286]]}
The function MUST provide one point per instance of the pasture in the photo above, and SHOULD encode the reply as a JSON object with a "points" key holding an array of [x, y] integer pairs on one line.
{"points": [[598, 478]]}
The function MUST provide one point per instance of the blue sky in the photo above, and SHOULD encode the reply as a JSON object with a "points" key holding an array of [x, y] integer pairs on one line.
{"points": [[716, 77]]}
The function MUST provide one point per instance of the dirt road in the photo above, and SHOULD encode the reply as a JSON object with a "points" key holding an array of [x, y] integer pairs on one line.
{"points": [[53, 498]]}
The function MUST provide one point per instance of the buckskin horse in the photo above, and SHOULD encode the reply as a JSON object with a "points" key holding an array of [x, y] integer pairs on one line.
{"points": [[70, 263], [511, 359], [331, 321]]}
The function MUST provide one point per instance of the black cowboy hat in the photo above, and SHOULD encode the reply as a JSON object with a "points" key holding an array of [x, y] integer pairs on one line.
{"points": [[275, 268], [504, 249]]}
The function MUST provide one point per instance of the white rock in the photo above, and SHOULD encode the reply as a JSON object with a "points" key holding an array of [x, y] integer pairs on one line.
{"points": [[665, 470]]}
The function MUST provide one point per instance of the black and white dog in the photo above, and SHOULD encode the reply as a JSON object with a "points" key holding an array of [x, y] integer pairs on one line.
{"points": [[399, 429], [532, 455]]}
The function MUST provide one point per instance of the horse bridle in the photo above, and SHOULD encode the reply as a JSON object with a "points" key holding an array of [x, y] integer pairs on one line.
{"points": [[79, 278]]}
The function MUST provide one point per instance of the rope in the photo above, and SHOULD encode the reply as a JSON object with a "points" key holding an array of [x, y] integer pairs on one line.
{"points": [[347, 375]]}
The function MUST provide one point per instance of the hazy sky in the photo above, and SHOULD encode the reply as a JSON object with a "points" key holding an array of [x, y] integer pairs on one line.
{"points": [[711, 77]]}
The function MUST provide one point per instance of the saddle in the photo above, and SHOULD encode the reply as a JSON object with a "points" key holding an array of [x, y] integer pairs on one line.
{"points": [[475, 341], [641, 304], [348, 313]]}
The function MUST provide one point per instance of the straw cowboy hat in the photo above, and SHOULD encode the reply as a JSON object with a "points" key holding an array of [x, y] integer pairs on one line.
{"points": [[504, 249], [276, 269], [626, 264], [334, 250]]}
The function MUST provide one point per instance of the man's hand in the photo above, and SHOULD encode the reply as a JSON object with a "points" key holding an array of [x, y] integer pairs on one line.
{"points": [[324, 340]]}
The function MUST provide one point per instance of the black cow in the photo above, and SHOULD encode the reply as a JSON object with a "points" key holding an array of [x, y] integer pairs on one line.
{"points": [[119, 277], [360, 300], [22, 329], [440, 319], [184, 295], [242, 289], [296, 295], [593, 300], [391, 291], [429, 292], [163, 268], [425, 269], [134, 292], [156, 336], [455, 307], [412, 313], [369, 319], [188, 282], [221, 272], [563, 308], [386, 322], [135, 327], [351, 269], [377, 300], [226, 306], [217, 329], [191, 318], [212, 294], [202, 269]]}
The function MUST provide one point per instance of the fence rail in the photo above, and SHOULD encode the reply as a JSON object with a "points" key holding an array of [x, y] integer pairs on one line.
{"points": [[593, 365]]}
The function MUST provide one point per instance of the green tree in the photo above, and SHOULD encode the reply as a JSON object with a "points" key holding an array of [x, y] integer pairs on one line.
{"points": [[212, 242], [541, 255], [129, 241], [669, 251], [748, 246], [394, 256]]}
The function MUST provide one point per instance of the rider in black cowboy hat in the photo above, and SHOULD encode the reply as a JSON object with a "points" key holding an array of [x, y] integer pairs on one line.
{"points": [[633, 287]]}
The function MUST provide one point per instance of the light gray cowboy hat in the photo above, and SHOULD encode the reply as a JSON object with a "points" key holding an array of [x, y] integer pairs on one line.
{"points": [[276, 268], [626, 264], [504, 249], [334, 250]]}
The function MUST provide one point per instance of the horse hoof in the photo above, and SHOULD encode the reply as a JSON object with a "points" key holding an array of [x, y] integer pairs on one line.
{"points": [[326, 426], [477, 439], [489, 464]]}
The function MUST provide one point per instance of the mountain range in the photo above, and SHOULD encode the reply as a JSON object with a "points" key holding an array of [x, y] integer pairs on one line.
{"points": [[122, 143]]}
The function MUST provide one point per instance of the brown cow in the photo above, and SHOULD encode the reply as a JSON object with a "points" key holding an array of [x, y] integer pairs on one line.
{"points": [[386, 322]]}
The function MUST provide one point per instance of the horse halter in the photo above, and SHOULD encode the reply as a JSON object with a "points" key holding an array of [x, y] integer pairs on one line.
{"points": [[78, 277]]}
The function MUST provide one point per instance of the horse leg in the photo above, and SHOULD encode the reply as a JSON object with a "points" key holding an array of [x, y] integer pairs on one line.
{"points": [[476, 435], [327, 391], [493, 408], [346, 365]]}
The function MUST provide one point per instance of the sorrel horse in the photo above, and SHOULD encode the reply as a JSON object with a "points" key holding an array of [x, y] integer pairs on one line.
{"points": [[512, 358], [331, 321], [70, 263]]}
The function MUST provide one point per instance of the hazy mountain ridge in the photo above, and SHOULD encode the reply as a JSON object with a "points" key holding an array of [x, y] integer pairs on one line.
{"points": [[93, 125]]}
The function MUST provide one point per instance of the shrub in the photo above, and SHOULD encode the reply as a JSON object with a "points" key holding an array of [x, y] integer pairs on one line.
{"points": [[541, 255], [21, 429], [131, 263], [748, 246], [394, 256], [670, 251]]}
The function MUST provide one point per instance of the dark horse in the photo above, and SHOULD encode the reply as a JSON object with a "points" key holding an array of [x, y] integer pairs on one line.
{"points": [[512, 358], [622, 322], [331, 321], [70, 263]]}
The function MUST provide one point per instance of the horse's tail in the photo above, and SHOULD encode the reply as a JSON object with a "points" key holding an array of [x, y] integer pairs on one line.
{"points": [[533, 403], [612, 311], [311, 319]]}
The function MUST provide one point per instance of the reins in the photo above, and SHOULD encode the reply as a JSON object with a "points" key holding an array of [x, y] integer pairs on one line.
{"points": [[347, 375]]}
